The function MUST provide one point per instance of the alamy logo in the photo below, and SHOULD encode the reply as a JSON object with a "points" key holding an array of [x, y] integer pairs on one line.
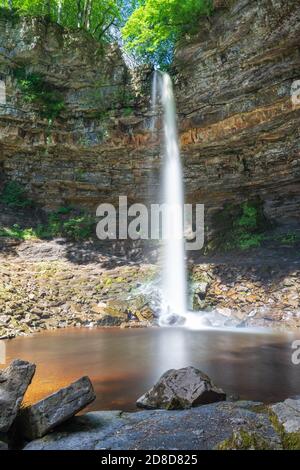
{"points": [[162, 222], [296, 353], [2, 92]]}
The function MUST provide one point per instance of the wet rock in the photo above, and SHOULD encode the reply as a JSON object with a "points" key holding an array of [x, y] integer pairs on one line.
{"points": [[139, 307], [112, 313], [182, 388], [172, 319], [145, 314], [14, 381], [249, 440], [202, 289], [288, 414], [40, 418]]}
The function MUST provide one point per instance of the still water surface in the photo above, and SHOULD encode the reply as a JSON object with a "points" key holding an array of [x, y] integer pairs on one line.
{"points": [[123, 364]]}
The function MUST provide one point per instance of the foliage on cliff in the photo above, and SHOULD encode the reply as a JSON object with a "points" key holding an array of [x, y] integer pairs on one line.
{"points": [[150, 27], [95, 16], [241, 227], [13, 195], [35, 90], [156, 25]]}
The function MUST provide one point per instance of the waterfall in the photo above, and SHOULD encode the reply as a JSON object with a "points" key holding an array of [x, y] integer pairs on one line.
{"points": [[174, 290]]}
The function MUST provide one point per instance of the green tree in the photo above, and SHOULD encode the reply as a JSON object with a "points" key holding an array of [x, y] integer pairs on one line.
{"points": [[95, 16], [156, 25]]}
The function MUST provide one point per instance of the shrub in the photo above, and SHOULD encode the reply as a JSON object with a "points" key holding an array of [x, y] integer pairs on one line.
{"points": [[156, 25], [69, 223], [17, 232], [65, 222], [241, 226]]}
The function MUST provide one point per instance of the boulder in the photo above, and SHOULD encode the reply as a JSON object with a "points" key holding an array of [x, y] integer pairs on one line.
{"points": [[288, 414], [37, 420], [111, 313], [14, 381], [182, 388]]}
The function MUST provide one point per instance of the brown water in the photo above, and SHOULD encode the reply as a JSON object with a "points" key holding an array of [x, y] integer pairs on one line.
{"points": [[123, 364]]}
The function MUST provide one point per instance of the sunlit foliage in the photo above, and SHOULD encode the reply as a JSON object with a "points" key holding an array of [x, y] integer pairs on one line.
{"points": [[156, 25], [96, 16]]}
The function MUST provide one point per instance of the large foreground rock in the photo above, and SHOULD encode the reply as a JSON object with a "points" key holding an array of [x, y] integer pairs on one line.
{"points": [[288, 414], [201, 428], [40, 418], [182, 388], [14, 382]]}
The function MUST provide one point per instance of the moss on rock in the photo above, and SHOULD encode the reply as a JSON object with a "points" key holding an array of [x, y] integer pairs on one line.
{"points": [[245, 440], [290, 440]]}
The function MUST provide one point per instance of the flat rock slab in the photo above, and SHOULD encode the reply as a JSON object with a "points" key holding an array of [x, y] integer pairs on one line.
{"points": [[180, 389], [40, 418], [14, 381], [288, 414], [203, 427]]}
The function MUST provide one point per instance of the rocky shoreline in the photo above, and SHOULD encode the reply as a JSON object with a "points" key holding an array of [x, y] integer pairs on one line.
{"points": [[49, 285], [242, 425]]}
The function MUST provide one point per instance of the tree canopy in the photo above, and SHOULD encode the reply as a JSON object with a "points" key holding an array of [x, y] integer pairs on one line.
{"points": [[156, 25], [96, 16]]}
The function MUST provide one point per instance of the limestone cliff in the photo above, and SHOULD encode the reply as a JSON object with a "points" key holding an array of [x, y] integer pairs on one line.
{"points": [[84, 155], [239, 130]]}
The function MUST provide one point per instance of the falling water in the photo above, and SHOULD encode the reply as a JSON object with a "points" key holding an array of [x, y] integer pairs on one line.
{"points": [[174, 272]]}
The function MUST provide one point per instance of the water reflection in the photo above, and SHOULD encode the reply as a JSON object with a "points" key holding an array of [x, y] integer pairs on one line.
{"points": [[123, 364], [171, 352]]}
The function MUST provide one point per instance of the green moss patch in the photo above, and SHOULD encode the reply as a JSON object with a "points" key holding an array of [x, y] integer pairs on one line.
{"points": [[240, 226], [36, 90], [290, 440], [244, 440]]}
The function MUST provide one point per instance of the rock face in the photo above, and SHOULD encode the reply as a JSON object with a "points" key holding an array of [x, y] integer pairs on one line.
{"points": [[182, 388], [85, 155], [3, 445], [239, 128], [209, 427], [288, 414], [40, 418], [14, 382], [253, 291]]}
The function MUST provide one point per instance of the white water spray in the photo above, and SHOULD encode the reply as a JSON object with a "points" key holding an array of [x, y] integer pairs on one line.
{"points": [[174, 272], [173, 308]]}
